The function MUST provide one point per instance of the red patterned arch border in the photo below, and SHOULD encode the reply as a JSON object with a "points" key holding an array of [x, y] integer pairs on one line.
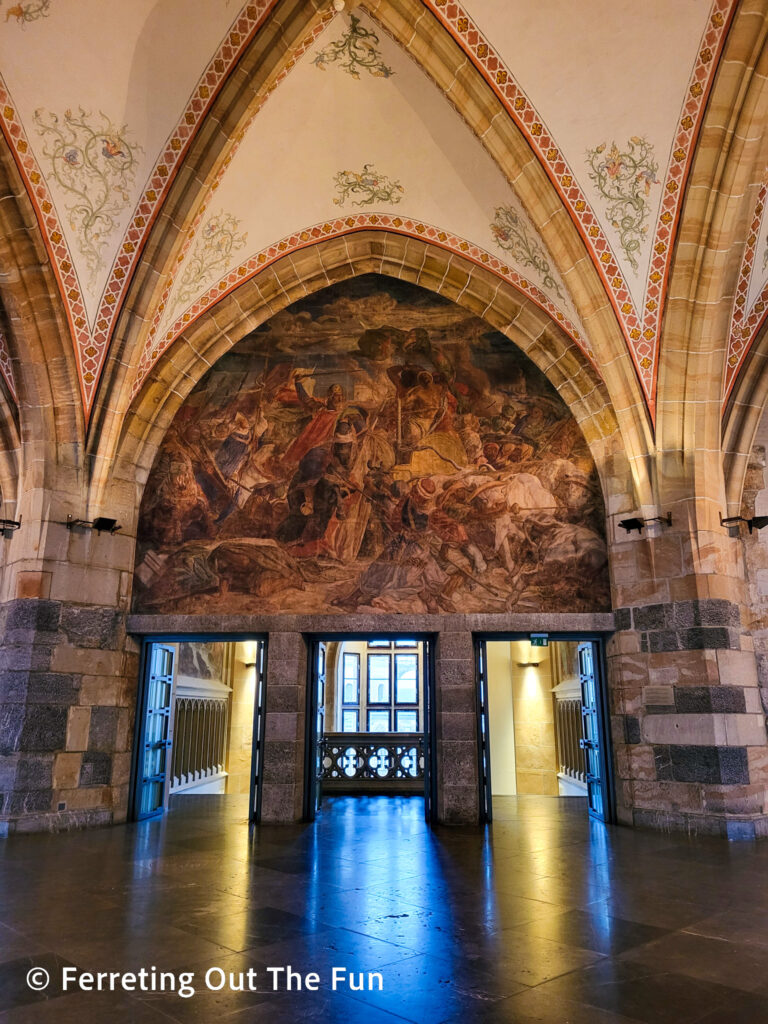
{"points": [[746, 323], [338, 228], [641, 329], [91, 346]]}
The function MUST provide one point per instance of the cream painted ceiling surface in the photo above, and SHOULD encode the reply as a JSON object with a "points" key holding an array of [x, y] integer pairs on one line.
{"points": [[100, 99], [393, 127]]}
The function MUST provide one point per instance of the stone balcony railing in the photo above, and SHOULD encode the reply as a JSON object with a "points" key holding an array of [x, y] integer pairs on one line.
{"points": [[372, 762]]}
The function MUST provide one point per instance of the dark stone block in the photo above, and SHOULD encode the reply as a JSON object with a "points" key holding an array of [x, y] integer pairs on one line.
{"points": [[685, 614], [695, 764], [644, 643], [729, 700], [45, 728], [702, 639], [664, 640], [34, 773], [92, 627], [663, 761], [650, 616], [11, 727], [95, 770], [718, 612], [734, 767], [20, 658], [631, 729], [33, 614], [692, 700], [103, 732], [13, 687], [622, 618], [29, 802], [52, 688], [707, 612]]}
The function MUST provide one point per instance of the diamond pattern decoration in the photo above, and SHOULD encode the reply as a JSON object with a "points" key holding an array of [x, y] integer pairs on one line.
{"points": [[745, 323], [336, 228], [641, 327]]}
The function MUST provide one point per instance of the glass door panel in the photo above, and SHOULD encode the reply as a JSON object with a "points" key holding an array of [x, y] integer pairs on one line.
{"points": [[591, 732], [155, 733]]}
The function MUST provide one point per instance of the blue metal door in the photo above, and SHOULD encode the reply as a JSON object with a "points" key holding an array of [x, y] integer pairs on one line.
{"points": [[154, 740], [483, 738], [592, 733]]}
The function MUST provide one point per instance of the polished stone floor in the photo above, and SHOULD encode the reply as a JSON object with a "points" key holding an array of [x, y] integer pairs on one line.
{"points": [[544, 917]]}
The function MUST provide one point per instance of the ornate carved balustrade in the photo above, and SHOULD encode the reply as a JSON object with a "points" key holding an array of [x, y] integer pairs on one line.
{"points": [[568, 730], [199, 742], [376, 762]]}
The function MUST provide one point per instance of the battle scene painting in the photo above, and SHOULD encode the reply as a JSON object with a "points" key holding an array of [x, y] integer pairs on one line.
{"points": [[373, 448]]}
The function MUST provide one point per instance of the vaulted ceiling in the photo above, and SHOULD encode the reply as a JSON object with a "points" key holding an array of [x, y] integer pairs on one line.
{"points": [[162, 153]]}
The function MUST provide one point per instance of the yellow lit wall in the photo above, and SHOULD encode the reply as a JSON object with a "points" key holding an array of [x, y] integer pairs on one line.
{"points": [[533, 709], [501, 718], [243, 683]]}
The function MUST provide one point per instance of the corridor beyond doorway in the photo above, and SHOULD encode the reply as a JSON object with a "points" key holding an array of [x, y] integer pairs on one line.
{"points": [[368, 714], [199, 722], [543, 727]]}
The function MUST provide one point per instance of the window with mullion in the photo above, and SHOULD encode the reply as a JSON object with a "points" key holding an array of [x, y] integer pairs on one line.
{"points": [[406, 679], [379, 679]]}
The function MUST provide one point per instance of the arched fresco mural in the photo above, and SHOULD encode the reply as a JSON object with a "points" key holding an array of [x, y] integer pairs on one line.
{"points": [[372, 448]]}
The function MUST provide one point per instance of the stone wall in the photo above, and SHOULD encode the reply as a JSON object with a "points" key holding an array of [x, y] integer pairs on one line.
{"points": [[68, 682], [688, 725]]}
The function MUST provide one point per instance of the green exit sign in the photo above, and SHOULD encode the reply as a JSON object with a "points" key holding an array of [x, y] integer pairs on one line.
{"points": [[539, 640]]}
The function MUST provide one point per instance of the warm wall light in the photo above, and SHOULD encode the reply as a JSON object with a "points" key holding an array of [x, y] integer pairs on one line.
{"points": [[7, 526], [637, 524], [528, 664], [755, 523], [101, 524]]}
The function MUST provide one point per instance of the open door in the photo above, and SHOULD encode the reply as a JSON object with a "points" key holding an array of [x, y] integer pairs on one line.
{"points": [[315, 731], [430, 772], [153, 740], [483, 739], [594, 732], [259, 724]]}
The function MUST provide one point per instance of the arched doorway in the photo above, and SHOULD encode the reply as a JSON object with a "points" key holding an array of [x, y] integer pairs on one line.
{"points": [[378, 459]]}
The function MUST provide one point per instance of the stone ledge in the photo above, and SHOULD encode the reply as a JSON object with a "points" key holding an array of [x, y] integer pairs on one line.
{"points": [[592, 623]]}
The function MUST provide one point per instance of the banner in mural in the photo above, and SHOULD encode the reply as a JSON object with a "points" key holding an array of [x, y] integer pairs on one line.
{"points": [[373, 448]]}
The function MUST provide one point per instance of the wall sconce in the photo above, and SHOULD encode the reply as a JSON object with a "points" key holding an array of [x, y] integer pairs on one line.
{"points": [[8, 526], [528, 664], [637, 524], [755, 523], [101, 524]]}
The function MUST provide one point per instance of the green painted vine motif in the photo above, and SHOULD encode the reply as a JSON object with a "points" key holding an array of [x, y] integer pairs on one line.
{"points": [[94, 164], [513, 235], [356, 51], [624, 180], [210, 257], [368, 184], [30, 11]]}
